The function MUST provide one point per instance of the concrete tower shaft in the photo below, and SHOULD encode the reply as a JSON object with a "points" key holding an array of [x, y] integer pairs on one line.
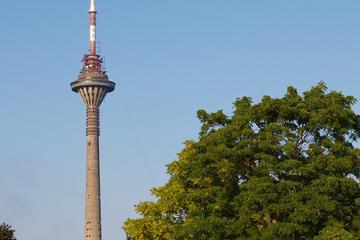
{"points": [[92, 85]]}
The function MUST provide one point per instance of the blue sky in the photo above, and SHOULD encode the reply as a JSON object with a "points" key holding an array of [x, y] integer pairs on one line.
{"points": [[168, 58]]}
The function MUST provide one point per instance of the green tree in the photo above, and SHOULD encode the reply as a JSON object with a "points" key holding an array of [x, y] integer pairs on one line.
{"points": [[336, 232], [285, 168], [6, 232]]}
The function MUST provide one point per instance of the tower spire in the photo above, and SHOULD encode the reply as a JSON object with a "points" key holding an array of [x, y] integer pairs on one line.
{"points": [[92, 13], [92, 84]]}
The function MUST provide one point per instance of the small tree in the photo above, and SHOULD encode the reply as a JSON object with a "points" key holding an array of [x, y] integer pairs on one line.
{"points": [[6, 232], [284, 169]]}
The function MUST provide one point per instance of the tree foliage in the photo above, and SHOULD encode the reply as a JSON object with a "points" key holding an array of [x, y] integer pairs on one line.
{"points": [[6, 232], [285, 168]]}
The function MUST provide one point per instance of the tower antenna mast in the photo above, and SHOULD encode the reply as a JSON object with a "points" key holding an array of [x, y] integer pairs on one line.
{"points": [[92, 13]]}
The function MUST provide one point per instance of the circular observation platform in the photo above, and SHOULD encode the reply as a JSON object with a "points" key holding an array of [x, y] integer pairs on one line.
{"points": [[93, 80]]}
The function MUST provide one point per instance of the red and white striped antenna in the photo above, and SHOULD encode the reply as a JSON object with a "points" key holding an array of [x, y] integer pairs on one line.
{"points": [[92, 13]]}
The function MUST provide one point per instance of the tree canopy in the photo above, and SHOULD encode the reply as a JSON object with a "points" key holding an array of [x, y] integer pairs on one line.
{"points": [[6, 232], [284, 168]]}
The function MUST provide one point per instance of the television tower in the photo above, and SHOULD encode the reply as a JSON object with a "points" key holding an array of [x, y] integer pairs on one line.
{"points": [[92, 84]]}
